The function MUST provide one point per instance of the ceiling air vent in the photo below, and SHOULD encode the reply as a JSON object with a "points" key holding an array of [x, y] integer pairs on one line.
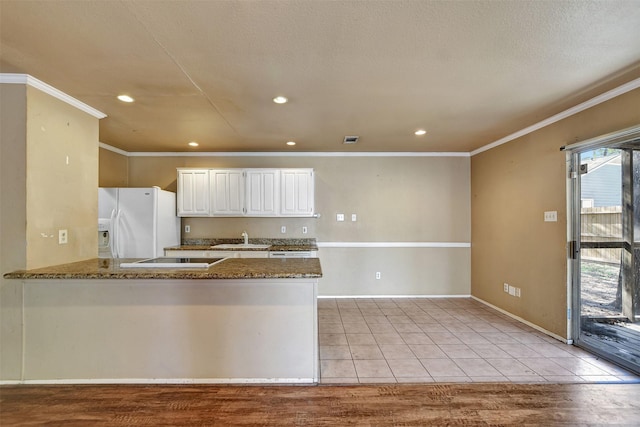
{"points": [[350, 139]]}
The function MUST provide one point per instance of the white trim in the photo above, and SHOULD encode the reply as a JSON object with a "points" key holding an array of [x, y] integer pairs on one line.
{"points": [[623, 135], [296, 154], [23, 358], [392, 296], [394, 244], [10, 78], [620, 90], [26, 79], [32, 81], [165, 381], [279, 153], [521, 320], [114, 149], [569, 235]]}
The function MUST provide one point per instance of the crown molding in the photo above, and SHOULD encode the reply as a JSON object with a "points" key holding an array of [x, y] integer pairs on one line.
{"points": [[112, 148], [620, 90], [613, 93], [279, 153], [28, 80]]}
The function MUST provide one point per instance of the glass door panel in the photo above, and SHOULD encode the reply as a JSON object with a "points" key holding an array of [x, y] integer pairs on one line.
{"points": [[600, 233], [607, 279]]}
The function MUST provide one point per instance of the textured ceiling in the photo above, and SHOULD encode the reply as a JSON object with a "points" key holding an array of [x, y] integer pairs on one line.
{"points": [[469, 72]]}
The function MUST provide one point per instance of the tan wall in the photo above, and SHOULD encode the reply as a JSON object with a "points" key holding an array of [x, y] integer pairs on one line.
{"points": [[113, 169], [13, 250], [404, 271], [396, 199], [61, 193], [40, 194], [512, 186]]}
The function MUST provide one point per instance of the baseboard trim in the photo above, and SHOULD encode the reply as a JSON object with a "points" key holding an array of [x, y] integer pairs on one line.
{"points": [[164, 381], [521, 320], [392, 296]]}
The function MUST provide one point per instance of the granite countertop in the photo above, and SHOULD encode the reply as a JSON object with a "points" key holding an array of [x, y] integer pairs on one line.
{"points": [[272, 248], [230, 268], [276, 245]]}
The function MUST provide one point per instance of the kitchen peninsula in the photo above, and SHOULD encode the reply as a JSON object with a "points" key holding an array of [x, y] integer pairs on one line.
{"points": [[241, 320]]}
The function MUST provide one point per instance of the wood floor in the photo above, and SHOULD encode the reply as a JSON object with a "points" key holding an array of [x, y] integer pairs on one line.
{"points": [[375, 405]]}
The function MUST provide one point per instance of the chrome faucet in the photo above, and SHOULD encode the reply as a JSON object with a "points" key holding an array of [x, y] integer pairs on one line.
{"points": [[246, 237]]}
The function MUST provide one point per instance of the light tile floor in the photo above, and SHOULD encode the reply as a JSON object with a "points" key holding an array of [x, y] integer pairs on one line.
{"points": [[444, 340]]}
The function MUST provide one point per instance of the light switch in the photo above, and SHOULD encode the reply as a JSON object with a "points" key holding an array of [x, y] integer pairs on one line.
{"points": [[354, 217], [339, 217], [551, 216]]}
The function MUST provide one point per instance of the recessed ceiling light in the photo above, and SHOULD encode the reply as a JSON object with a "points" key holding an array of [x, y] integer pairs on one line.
{"points": [[280, 100], [420, 132], [193, 144], [125, 98], [291, 143]]}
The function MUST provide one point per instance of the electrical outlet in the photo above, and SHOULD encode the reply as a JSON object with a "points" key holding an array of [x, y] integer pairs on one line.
{"points": [[505, 287], [378, 275], [283, 229], [518, 292], [304, 230], [339, 217], [187, 229], [62, 237]]}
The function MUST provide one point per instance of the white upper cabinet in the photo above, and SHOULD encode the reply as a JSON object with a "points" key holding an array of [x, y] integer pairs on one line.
{"points": [[245, 192], [227, 192], [193, 192], [296, 192], [262, 192]]}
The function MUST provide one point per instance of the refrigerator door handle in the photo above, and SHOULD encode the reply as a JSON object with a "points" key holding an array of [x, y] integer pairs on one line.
{"points": [[118, 239], [112, 234]]}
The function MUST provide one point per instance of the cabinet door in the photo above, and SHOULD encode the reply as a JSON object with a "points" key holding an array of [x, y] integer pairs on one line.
{"points": [[227, 192], [262, 192], [296, 192], [193, 193]]}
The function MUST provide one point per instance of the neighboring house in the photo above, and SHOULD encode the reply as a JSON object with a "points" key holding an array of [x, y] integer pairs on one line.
{"points": [[601, 215], [601, 185]]}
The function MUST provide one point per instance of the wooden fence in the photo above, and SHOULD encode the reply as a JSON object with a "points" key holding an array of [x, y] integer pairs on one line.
{"points": [[602, 224]]}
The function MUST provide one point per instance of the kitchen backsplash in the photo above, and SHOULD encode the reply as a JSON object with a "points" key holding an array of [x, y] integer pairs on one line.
{"points": [[260, 241]]}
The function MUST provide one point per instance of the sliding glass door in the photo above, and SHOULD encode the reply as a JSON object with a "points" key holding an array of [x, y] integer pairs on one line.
{"points": [[605, 249]]}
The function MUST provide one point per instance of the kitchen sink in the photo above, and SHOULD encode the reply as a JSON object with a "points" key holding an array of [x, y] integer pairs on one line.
{"points": [[173, 262], [240, 246]]}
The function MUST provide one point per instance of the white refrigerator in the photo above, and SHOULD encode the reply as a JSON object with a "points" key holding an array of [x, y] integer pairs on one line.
{"points": [[139, 222]]}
